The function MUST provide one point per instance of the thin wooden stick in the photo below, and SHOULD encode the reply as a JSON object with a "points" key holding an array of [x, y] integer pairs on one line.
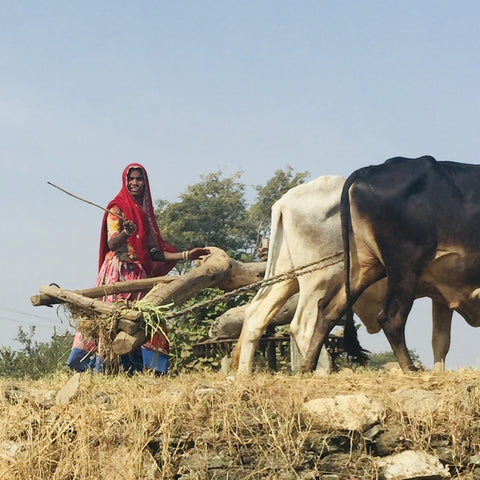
{"points": [[87, 201]]}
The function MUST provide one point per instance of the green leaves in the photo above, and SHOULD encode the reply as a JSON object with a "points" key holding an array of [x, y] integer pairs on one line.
{"points": [[35, 359], [192, 328], [154, 318], [209, 213], [214, 212]]}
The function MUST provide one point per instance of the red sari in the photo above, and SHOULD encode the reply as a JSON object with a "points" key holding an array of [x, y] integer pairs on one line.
{"points": [[132, 261], [147, 228]]}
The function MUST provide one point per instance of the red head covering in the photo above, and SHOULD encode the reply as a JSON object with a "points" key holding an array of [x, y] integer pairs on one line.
{"points": [[144, 218]]}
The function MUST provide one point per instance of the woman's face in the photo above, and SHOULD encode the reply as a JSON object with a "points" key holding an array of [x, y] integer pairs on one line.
{"points": [[136, 183]]}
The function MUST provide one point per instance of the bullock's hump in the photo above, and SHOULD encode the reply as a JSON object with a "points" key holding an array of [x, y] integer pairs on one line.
{"points": [[324, 184], [320, 194]]}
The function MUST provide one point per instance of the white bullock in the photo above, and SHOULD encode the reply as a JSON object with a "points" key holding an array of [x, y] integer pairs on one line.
{"points": [[306, 228]]}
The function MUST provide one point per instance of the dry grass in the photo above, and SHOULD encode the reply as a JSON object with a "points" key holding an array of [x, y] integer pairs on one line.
{"points": [[144, 427]]}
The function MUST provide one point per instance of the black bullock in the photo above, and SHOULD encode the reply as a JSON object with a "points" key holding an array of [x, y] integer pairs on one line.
{"points": [[417, 223]]}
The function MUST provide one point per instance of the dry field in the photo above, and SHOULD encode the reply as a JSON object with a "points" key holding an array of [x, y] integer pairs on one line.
{"points": [[208, 426]]}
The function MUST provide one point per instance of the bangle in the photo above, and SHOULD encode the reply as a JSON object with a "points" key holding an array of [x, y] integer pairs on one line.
{"points": [[185, 255]]}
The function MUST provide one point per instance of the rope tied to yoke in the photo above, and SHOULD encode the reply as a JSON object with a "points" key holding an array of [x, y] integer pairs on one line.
{"points": [[281, 277]]}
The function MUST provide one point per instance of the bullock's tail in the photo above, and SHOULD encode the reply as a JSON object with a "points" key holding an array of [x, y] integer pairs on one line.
{"points": [[352, 345]]}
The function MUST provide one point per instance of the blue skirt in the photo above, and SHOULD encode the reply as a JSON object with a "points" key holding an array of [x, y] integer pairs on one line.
{"points": [[139, 360]]}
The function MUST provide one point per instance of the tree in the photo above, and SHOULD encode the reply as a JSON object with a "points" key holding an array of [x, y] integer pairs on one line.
{"points": [[34, 359], [214, 212], [210, 212], [259, 213], [377, 360]]}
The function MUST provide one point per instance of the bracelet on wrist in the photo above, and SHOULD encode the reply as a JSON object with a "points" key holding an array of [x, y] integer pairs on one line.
{"points": [[185, 255]]}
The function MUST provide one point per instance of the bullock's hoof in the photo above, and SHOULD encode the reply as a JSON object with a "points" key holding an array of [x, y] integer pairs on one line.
{"points": [[305, 368], [414, 368]]}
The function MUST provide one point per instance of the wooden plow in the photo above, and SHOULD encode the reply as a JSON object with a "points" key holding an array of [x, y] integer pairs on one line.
{"points": [[215, 270]]}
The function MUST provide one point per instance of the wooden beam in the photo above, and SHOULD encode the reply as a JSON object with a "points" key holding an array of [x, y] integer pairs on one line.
{"points": [[130, 286], [87, 303], [239, 275], [209, 273], [126, 343], [242, 274]]}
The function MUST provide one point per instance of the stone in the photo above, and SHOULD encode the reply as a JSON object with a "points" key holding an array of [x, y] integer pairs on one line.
{"points": [[391, 439], [346, 412], [412, 464], [68, 391], [417, 402]]}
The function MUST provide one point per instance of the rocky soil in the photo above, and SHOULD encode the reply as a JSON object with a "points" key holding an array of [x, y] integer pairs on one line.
{"points": [[349, 425]]}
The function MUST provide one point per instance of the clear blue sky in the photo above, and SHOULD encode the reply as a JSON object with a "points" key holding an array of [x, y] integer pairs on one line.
{"points": [[188, 88]]}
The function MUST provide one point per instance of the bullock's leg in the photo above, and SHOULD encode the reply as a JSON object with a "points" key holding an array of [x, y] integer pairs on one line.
{"points": [[329, 312], [303, 323], [441, 327], [394, 315], [324, 364], [322, 328], [332, 307], [316, 291], [266, 304], [304, 320]]}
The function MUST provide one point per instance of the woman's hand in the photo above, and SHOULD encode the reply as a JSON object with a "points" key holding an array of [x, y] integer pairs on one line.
{"points": [[129, 227], [193, 254], [119, 239], [197, 252]]}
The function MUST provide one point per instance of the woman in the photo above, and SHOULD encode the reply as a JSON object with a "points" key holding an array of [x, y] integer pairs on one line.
{"points": [[131, 247]]}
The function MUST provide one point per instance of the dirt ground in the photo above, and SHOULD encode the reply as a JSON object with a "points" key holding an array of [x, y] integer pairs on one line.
{"points": [[212, 426]]}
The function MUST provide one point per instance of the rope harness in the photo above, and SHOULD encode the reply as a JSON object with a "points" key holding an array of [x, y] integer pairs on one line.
{"points": [[293, 273]]}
